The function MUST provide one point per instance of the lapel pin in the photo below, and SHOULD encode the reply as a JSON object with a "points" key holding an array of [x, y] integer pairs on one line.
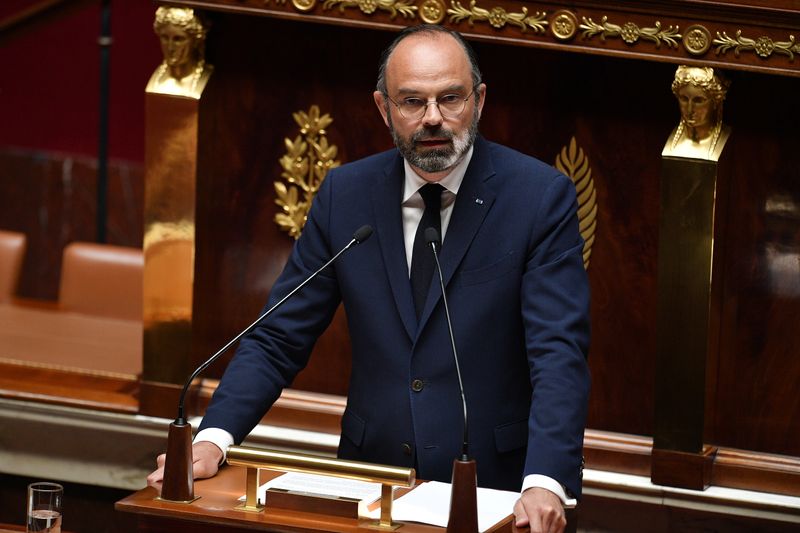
{"points": [[478, 201]]}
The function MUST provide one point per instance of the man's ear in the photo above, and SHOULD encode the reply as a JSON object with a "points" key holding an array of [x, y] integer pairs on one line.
{"points": [[380, 101], [481, 98]]}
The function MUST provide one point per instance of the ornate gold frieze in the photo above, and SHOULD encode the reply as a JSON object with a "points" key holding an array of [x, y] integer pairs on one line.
{"points": [[564, 25], [630, 32], [697, 39], [431, 11], [303, 5], [497, 16], [572, 162], [306, 163], [368, 7], [763, 46]]}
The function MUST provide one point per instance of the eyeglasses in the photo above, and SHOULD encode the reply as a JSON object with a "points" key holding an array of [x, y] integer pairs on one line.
{"points": [[449, 105]]}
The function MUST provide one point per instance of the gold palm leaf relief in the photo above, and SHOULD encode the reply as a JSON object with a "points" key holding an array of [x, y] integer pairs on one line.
{"points": [[572, 162]]}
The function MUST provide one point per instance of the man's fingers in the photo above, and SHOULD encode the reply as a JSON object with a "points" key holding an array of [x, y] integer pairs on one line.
{"points": [[155, 478], [541, 510], [203, 468], [521, 517]]}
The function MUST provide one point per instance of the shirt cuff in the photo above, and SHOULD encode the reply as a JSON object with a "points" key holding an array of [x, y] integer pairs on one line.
{"points": [[219, 437], [545, 482]]}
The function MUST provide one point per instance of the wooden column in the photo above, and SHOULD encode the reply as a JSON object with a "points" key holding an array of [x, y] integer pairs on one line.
{"points": [[689, 252], [171, 127]]}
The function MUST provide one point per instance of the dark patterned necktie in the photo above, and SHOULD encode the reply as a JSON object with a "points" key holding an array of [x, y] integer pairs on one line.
{"points": [[422, 262]]}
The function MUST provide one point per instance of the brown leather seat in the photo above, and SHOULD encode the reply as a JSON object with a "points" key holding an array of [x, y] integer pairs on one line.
{"points": [[12, 251], [102, 279]]}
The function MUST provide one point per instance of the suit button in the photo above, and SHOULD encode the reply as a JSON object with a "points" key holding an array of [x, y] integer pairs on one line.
{"points": [[406, 448], [417, 385]]}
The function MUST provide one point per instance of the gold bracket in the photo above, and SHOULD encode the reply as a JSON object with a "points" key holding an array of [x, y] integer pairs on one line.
{"points": [[251, 503]]}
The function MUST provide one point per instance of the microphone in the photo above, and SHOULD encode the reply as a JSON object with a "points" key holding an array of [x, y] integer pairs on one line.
{"points": [[464, 487], [178, 478], [432, 238]]}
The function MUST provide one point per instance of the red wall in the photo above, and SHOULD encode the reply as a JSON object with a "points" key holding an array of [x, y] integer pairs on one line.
{"points": [[49, 80]]}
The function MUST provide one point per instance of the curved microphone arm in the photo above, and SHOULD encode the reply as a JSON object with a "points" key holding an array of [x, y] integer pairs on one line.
{"points": [[361, 234]]}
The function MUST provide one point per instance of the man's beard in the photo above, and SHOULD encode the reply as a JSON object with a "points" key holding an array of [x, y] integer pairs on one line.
{"points": [[437, 159]]}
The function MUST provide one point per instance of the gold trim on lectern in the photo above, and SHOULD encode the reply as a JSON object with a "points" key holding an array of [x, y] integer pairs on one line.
{"points": [[387, 476]]}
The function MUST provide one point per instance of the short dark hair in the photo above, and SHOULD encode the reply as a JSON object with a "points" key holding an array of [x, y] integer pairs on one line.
{"points": [[430, 29]]}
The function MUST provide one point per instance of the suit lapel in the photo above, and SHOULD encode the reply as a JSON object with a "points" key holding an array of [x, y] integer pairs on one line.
{"points": [[472, 204], [387, 194]]}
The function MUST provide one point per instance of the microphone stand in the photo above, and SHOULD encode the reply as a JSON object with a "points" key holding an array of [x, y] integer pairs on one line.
{"points": [[463, 516], [178, 483]]}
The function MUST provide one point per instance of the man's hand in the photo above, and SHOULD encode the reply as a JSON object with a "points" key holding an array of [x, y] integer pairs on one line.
{"points": [[205, 463], [541, 510]]}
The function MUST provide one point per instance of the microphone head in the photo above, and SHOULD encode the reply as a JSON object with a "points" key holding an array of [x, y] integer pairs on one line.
{"points": [[431, 236], [362, 234]]}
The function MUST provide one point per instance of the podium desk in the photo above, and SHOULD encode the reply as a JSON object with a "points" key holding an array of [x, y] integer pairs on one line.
{"points": [[214, 512]]}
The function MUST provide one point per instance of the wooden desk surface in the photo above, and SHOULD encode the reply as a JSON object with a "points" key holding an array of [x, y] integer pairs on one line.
{"points": [[214, 508], [61, 339]]}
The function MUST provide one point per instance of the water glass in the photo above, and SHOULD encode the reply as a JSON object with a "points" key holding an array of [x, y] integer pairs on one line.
{"points": [[44, 507]]}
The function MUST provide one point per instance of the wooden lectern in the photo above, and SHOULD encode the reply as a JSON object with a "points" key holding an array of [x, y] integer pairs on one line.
{"points": [[214, 511]]}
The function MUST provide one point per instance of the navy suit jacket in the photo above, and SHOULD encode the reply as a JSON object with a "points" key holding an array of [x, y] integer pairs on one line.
{"points": [[518, 295]]}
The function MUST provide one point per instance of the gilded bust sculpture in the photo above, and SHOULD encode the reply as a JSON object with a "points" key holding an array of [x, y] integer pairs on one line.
{"points": [[183, 71], [700, 133]]}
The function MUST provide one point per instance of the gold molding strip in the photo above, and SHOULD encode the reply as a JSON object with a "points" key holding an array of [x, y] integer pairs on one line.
{"points": [[368, 7], [763, 46], [630, 32], [497, 16], [303, 169], [572, 162]]}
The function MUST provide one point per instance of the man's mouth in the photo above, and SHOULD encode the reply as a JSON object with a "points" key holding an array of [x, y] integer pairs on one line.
{"points": [[433, 143]]}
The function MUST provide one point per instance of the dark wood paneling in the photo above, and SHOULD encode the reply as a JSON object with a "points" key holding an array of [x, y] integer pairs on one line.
{"points": [[51, 197], [270, 70], [597, 513], [757, 406]]}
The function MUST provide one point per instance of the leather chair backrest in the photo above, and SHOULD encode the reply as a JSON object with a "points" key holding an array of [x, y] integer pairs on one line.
{"points": [[12, 251], [102, 279]]}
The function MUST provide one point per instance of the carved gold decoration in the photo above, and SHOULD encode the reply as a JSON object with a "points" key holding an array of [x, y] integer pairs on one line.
{"points": [[182, 35], [303, 169], [572, 162], [564, 25], [630, 32], [369, 7], [497, 16], [763, 46], [431, 11], [700, 134], [304, 5], [697, 39]]}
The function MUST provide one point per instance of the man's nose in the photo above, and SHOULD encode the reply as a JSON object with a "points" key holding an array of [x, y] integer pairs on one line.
{"points": [[432, 116]]}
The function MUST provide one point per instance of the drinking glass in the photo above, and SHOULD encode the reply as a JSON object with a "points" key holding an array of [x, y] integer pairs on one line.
{"points": [[44, 507]]}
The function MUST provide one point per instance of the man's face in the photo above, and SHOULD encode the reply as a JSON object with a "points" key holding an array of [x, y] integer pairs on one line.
{"points": [[429, 67], [696, 106]]}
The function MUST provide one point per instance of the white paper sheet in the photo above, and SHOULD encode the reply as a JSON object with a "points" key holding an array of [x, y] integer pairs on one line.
{"points": [[429, 503], [323, 486]]}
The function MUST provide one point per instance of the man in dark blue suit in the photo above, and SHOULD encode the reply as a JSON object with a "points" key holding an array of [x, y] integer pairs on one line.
{"points": [[511, 259]]}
